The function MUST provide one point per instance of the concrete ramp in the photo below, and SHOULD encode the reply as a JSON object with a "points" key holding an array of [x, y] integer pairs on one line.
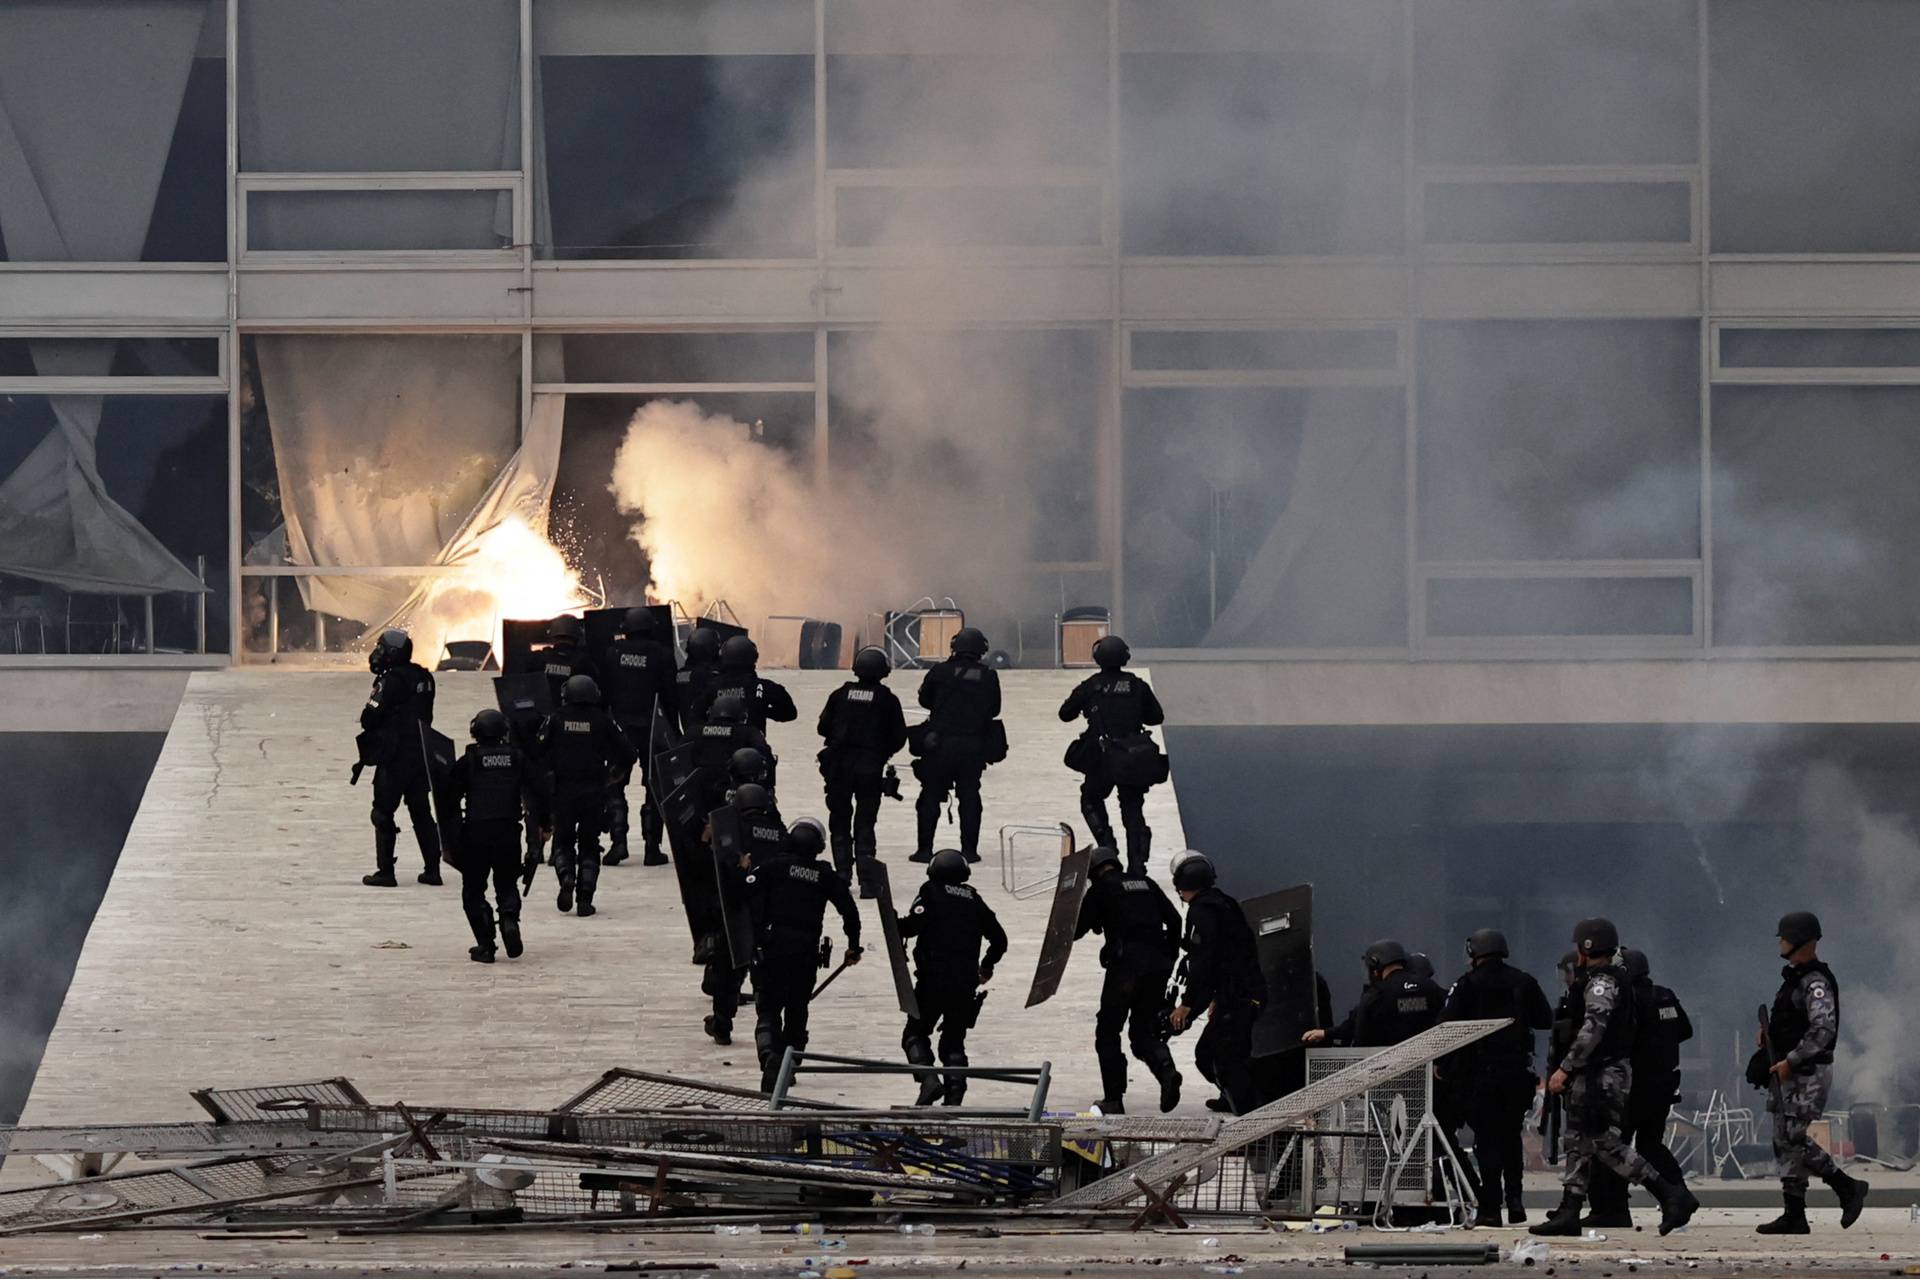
{"points": [[236, 944]]}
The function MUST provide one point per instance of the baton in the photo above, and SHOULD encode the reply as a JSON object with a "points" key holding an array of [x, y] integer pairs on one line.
{"points": [[830, 976]]}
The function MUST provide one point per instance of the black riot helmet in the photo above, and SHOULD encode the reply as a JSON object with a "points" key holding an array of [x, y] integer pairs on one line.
{"points": [[949, 866], [1487, 943], [1102, 857], [1799, 927], [752, 797], [579, 690], [703, 645], [1419, 965], [1110, 652], [728, 708], [806, 838], [1635, 962], [393, 648], [871, 665], [1383, 954], [739, 653], [489, 726], [969, 641], [747, 765], [1596, 937], [637, 624], [565, 627], [1193, 872]]}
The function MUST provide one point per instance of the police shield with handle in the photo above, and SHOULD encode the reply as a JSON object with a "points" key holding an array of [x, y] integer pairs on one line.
{"points": [[787, 896], [949, 922], [1795, 1062], [640, 689], [1596, 1074], [960, 737], [1116, 752], [390, 739]]}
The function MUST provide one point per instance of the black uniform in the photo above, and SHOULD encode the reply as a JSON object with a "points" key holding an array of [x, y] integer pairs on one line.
{"points": [[1142, 938], [962, 695], [1495, 1077], [392, 720], [788, 897], [1661, 1025], [765, 699], [1116, 753], [490, 786], [1393, 1009], [639, 689], [584, 749], [690, 691], [951, 922], [863, 727], [1223, 970], [560, 661], [713, 746], [763, 837]]}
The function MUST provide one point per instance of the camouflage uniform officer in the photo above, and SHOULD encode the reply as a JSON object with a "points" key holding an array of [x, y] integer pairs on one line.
{"points": [[1597, 1077], [1804, 1026]]}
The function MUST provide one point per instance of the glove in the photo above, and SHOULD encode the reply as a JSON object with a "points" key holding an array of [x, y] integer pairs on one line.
{"points": [[851, 955], [986, 973]]}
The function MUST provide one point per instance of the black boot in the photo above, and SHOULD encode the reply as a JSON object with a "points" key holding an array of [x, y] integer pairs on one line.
{"points": [[1563, 1221], [920, 1053], [382, 876], [1139, 848], [922, 855], [1677, 1204], [863, 863], [430, 876], [480, 954], [510, 935], [718, 1031], [1516, 1210], [1853, 1196], [653, 856], [1791, 1222], [1111, 1106], [1486, 1213], [843, 859], [1608, 1218], [1220, 1105], [1168, 1078], [565, 899]]}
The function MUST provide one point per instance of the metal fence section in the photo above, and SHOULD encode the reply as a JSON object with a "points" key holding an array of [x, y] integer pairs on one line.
{"points": [[274, 1101], [1237, 1163], [247, 1137], [621, 1089], [198, 1187], [1356, 1142]]}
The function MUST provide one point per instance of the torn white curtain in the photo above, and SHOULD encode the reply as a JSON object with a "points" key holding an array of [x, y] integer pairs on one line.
{"points": [[384, 446], [350, 86], [523, 490], [90, 91]]}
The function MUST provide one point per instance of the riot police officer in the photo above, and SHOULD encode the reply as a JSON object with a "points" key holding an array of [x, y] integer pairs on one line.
{"points": [[739, 676], [1395, 1006], [1223, 980], [694, 680], [1596, 1076], [724, 732], [1661, 1026], [489, 787], [1116, 752], [952, 922], [392, 739], [1142, 937], [1495, 1075], [788, 896], [763, 836], [564, 656], [584, 748], [961, 737], [862, 727], [1803, 1028], [640, 689]]}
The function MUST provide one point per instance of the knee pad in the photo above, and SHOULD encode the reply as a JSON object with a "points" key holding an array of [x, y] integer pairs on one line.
{"points": [[384, 823], [919, 1050]]}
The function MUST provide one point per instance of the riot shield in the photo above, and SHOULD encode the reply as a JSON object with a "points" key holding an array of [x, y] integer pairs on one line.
{"points": [[682, 814], [437, 754], [523, 699], [671, 769], [735, 920], [890, 930], [518, 638], [1069, 886], [1282, 924]]}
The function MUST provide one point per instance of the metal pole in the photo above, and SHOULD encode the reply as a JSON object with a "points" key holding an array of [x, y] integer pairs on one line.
{"points": [[147, 600], [273, 618], [1039, 1105], [200, 606]]}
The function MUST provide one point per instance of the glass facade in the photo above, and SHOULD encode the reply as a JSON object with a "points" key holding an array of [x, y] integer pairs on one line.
{"points": [[1306, 326]]}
